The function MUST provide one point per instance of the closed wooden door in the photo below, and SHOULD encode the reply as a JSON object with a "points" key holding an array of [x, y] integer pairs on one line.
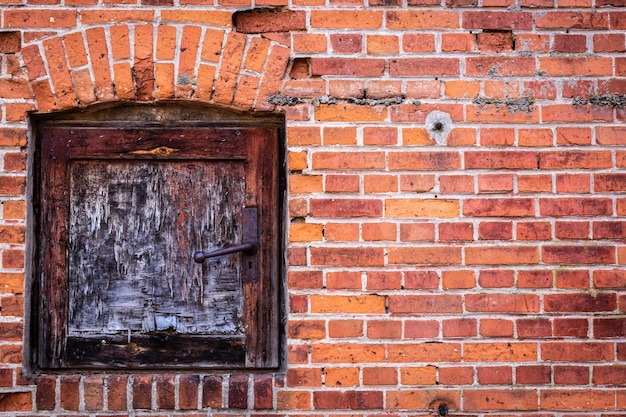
{"points": [[122, 213]]}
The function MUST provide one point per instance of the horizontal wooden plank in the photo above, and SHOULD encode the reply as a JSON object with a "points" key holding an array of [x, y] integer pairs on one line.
{"points": [[152, 143], [162, 350]]}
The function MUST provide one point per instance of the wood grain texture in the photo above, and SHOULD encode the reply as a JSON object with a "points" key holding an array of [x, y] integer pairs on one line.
{"points": [[122, 212]]}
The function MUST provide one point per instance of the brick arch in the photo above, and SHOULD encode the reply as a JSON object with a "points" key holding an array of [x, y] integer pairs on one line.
{"points": [[148, 62]]}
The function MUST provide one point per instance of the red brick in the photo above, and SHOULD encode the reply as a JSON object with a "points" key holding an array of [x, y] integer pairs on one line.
{"points": [[572, 279], [352, 400], [495, 230], [491, 302], [421, 280], [46, 393], [534, 279], [456, 375], [458, 279], [417, 182], [614, 374], [348, 67], [532, 375], [93, 391], [40, 18], [142, 392], [572, 20], [212, 391], [306, 329], [343, 280], [570, 327], [501, 256], [346, 43], [534, 328], [353, 19], [304, 377], [346, 208], [443, 303], [464, 327], [345, 328], [609, 327], [613, 42], [421, 329], [16, 401], [615, 278], [383, 280], [512, 400], [498, 207], [269, 20], [577, 352], [384, 329], [238, 392], [534, 231], [502, 67], [575, 207], [422, 19], [424, 352], [496, 328], [497, 20], [70, 396], [499, 375], [571, 375], [500, 160], [573, 183], [117, 389], [570, 43], [440, 67], [496, 278], [578, 255], [574, 400], [456, 231], [424, 255]]}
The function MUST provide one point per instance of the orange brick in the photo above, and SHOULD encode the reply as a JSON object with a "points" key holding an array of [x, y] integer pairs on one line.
{"points": [[353, 19], [341, 232], [382, 44], [341, 377], [305, 232], [421, 208], [367, 304], [379, 231]]}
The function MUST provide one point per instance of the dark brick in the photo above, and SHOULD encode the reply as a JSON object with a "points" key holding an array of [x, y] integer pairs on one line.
{"points": [[580, 302], [46, 396], [609, 327], [263, 392], [265, 20], [142, 392], [188, 392], [212, 391], [117, 392], [238, 392], [70, 395], [166, 392], [10, 42]]}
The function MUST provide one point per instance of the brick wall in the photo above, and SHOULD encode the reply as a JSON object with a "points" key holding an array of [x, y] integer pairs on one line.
{"points": [[455, 189]]}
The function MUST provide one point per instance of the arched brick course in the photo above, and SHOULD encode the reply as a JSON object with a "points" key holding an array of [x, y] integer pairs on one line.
{"points": [[145, 62]]}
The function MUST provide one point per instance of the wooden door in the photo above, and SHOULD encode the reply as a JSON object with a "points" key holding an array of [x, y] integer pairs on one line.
{"points": [[122, 213]]}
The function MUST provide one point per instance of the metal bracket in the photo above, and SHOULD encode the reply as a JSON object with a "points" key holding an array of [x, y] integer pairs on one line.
{"points": [[249, 256]]}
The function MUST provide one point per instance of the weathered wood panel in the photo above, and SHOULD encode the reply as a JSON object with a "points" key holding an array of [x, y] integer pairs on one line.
{"points": [[123, 210], [133, 230]]}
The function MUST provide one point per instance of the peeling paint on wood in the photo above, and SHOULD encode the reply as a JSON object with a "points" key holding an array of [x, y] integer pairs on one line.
{"points": [[133, 230]]}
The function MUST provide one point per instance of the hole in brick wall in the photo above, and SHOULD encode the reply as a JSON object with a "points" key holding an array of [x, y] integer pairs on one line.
{"points": [[10, 42], [300, 69], [266, 19], [495, 40], [438, 125]]}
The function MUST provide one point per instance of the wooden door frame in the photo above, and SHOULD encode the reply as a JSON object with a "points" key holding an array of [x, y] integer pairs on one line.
{"points": [[167, 115]]}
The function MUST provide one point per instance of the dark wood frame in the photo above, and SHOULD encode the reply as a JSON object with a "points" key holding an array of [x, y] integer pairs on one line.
{"points": [[257, 147]]}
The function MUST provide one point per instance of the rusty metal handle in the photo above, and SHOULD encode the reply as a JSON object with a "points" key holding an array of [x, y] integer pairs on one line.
{"points": [[249, 248]]}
